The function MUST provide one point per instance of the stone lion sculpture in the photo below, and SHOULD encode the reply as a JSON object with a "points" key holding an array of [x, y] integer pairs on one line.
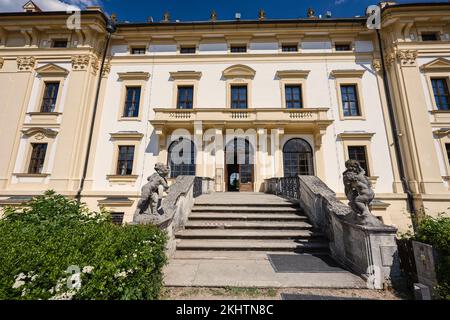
{"points": [[359, 192], [150, 192]]}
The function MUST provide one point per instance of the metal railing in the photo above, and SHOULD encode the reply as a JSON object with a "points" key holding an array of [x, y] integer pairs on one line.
{"points": [[284, 187]]}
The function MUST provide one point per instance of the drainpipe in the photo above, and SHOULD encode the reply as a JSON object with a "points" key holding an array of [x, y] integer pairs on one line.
{"points": [[401, 167], [110, 28]]}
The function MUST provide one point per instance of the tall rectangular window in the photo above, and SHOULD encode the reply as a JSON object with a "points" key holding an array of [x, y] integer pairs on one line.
{"points": [[125, 161], [289, 48], [441, 94], [239, 97], [430, 36], [132, 102], [359, 154], [187, 50], [37, 158], [350, 103], [60, 43], [342, 47], [293, 95], [185, 98], [140, 50], [238, 49], [50, 97], [447, 147]]}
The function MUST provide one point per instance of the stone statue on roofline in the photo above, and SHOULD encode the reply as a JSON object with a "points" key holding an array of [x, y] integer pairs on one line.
{"points": [[360, 194], [147, 208]]}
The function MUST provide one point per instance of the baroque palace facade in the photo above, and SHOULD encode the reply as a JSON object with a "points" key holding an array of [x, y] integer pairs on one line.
{"points": [[286, 97]]}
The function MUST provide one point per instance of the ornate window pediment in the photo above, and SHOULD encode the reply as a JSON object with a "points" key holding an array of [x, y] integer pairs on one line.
{"points": [[296, 74], [186, 75], [42, 132], [134, 76], [52, 70], [437, 65], [347, 73], [239, 71]]}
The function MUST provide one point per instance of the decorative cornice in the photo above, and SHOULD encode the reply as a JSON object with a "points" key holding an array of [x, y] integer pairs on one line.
{"points": [[376, 64], [40, 133], [26, 63], [132, 135], [80, 62], [293, 74], [347, 73], [239, 71], [356, 135], [134, 75], [186, 75], [437, 65], [407, 57]]}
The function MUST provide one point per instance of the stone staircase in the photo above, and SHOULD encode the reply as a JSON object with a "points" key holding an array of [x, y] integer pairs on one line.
{"points": [[248, 222], [229, 237]]}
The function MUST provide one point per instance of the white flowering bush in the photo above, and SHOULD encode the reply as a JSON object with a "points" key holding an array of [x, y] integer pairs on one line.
{"points": [[56, 249]]}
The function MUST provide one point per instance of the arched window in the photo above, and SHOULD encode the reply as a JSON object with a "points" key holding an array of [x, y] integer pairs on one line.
{"points": [[182, 158], [298, 158]]}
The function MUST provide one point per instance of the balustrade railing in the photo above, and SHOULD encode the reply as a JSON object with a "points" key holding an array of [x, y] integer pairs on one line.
{"points": [[285, 187]]}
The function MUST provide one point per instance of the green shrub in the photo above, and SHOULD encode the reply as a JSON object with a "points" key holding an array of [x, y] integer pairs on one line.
{"points": [[436, 232], [39, 244]]}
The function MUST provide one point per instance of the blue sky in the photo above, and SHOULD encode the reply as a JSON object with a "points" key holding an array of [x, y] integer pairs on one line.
{"points": [[195, 10]]}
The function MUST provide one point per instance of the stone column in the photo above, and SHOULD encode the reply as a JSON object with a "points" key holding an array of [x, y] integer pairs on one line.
{"points": [[162, 145], [198, 141], [262, 167], [319, 154], [220, 161], [277, 151]]}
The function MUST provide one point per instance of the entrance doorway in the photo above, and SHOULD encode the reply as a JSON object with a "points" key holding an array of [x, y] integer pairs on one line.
{"points": [[239, 166]]}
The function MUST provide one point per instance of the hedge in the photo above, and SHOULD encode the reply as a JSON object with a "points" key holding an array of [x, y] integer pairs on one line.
{"points": [[56, 249]]}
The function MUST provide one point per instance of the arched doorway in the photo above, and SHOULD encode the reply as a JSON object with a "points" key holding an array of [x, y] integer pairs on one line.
{"points": [[239, 165], [298, 158], [181, 158]]}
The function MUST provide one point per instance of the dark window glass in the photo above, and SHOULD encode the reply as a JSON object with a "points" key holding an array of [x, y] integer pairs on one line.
{"points": [[430, 36], [62, 43], [343, 47], [237, 49], [358, 153], [182, 158], [293, 96], [125, 161], [289, 48], [187, 50], [138, 51], [239, 97], [37, 158], [185, 97], [350, 102], [447, 147], [298, 158], [117, 217], [132, 102], [441, 94], [50, 96]]}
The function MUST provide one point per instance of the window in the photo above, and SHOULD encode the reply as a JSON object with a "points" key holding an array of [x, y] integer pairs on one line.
{"points": [[117, 218], [125, 161], [289, 48], [185, 97], [140, 50], [441, 93], [187, 50], [238, 48], [59, 43], [50, 97], [350, 102], [239, 97], [293, 96], [297, 158], [358, 153], [132, 102], [342, 47], [37, 158], [182, 158], [430, 36]]}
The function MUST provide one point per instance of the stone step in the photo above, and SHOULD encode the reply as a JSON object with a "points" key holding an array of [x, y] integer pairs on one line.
{"points": [[254, 245], [246, 217], [255, 225], [223, 255], [247, 234], [248, 204], [245, 209]]}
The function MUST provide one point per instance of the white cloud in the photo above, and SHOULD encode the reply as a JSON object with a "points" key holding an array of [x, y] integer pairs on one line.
{"points": [[46, 5]]}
